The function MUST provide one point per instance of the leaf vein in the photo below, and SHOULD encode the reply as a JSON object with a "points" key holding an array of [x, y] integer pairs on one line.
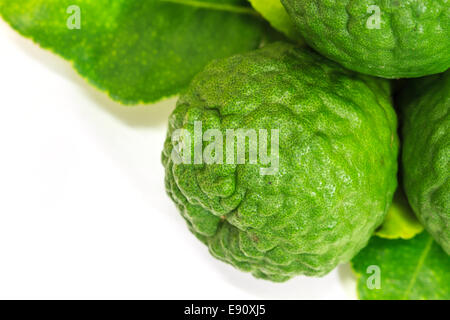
{"points": [[419, 266], [215, 6]]}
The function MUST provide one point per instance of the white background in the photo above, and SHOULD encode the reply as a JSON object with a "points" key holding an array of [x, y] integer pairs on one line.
{"points": [[83, 210]]}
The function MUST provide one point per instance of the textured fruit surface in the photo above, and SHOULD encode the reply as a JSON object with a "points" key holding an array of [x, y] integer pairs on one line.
{"points": [[337, 162], [426, 153], [391, 39]]}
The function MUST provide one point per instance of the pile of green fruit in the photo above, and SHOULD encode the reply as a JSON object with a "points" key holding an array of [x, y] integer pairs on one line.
{"points": [[343, 137]]}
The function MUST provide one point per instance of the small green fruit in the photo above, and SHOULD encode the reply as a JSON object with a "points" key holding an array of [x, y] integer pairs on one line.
{"points": [[389, 39], [426, 153], [336, 171]]}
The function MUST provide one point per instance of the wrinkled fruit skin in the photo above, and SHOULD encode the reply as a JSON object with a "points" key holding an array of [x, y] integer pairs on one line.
{"points": [[426, 153], [337, 162], [412, 39]]}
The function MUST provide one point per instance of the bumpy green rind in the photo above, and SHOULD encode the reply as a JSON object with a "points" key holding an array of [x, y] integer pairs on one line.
{"points": [[425, 106], [337, 162], [414, 269], [413, 38]]}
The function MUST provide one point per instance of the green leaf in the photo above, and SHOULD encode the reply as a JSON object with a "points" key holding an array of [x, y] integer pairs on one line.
{"points": [[274, 12], [408, 269], [138, 51], [400, 221]]}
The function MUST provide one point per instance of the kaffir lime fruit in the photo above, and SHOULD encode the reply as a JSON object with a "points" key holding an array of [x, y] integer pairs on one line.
{"points": [[390, 39], [425, 106], [336, 171]]}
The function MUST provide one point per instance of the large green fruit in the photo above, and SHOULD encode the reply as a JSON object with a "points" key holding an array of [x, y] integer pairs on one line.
{"points": [[337, 161], [426, 153], [390, 39]]}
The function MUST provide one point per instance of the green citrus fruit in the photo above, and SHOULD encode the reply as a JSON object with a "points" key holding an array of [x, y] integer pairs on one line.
{"points": [[390, 39], [426, 153], [336, 172]]}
